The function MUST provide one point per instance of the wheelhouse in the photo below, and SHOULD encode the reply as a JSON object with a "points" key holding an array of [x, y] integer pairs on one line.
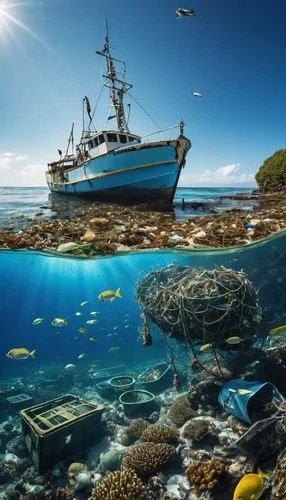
{"points": [[105, 141]]}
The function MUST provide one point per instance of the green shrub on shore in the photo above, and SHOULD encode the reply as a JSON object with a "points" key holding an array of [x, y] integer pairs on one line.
{"points": [[272, 174]]}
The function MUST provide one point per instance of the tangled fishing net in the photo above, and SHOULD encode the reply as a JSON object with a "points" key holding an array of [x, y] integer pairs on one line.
{"points": [[209, 305]]}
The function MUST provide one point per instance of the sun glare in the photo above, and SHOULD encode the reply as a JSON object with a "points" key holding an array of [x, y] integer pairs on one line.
{"points": [[11, 25]]}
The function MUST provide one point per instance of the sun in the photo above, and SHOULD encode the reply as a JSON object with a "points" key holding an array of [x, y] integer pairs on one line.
{"points": [[10, 24], [8, 17]]}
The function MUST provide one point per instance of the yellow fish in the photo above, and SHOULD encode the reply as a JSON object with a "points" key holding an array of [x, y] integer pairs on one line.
{"points": [[110, 295], [37, 321], [205, 347], [250, 487], [20, 353], [74, 469], [279, 329], [234, 340], [84, 302], [241, 392], [83, 331], [59, 322], [92, 339], [91, 321]]}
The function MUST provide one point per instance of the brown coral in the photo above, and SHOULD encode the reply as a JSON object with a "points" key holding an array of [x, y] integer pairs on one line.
{"points": [[136, 427], [206, 476], [196, 430], [148, 458], [120, 485], [180, 411], [160, 434]]}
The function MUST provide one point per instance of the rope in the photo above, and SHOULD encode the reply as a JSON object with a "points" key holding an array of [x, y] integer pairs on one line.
{"points": [[162, 130], [138, 103], [209, 305]]}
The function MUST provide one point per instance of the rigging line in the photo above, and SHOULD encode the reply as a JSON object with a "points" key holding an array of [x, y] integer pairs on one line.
{"points": [[93, 87], [96, 104], [161, 130], [144, 110]]}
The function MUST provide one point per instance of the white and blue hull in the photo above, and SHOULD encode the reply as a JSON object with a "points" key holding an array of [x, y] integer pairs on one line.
{"points": [[142, 172]]}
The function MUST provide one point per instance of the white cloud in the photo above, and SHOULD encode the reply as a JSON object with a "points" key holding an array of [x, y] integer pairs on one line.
{"points": [[227, 175], [6, 159], [17, 170], [228, 170]]}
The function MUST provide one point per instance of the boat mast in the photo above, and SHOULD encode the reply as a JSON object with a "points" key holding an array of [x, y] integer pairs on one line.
{"points": [[117, 87]]}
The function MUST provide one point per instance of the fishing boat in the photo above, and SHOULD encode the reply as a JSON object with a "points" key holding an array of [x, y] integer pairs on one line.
{"points": [[117, 164]]}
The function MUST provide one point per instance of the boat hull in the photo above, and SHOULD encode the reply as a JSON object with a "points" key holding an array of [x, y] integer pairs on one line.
{"points": [[141, 173]]}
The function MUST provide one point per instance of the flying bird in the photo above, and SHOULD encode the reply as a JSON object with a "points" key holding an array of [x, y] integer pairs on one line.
{"points": [[197, 94], [185, 12]]}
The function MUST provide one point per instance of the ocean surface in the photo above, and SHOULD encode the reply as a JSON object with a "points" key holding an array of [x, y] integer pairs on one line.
{"points": [[36, 285], [18, 203]]}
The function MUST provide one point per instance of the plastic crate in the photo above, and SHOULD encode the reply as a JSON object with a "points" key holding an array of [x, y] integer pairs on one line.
{"points": [[59, 428], [19, 401]]}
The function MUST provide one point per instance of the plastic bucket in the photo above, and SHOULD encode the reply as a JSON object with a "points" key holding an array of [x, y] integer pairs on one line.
{"points": [[246, 405], [105, 389], [138, 403], [122, 383], [157, 378]]}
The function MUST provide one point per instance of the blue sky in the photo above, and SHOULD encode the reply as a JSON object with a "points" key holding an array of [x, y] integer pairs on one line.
{"points": [[233, 52]]}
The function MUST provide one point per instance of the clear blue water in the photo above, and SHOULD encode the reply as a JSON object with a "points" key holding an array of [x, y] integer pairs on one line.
{"points": [[29, 201], [43, 285]]}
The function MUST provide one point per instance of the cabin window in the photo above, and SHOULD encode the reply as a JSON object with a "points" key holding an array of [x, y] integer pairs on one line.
{"points": [[100, 139], [112, 137], [90, 145], [95, 142], [122, 138], [130, 139]]}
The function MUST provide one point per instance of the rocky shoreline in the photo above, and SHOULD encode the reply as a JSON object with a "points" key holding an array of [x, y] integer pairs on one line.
{"points": [[103, 229]]}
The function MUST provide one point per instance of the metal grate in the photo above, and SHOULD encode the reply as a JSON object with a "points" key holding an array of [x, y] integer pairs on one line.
{"points": [[19, 398]]}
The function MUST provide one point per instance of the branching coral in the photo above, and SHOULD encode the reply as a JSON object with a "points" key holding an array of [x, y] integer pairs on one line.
{"points": [[148, 458], [136, 427], [180, 411], [120, 485], [206, 476], [160, 434]]}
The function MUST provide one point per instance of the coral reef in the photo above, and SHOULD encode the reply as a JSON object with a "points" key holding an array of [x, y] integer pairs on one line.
{"points": [[177, 487], [120, 485], [180, 410], [204, 393], [156, 487], [197, 430], [64, 494], [136, 427], [160, 434], [148, 458], [206, 476], [279, 478]]}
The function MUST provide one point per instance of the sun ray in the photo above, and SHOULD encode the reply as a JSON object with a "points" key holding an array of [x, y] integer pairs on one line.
{"points": [[6, 18], [20, 47]]}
